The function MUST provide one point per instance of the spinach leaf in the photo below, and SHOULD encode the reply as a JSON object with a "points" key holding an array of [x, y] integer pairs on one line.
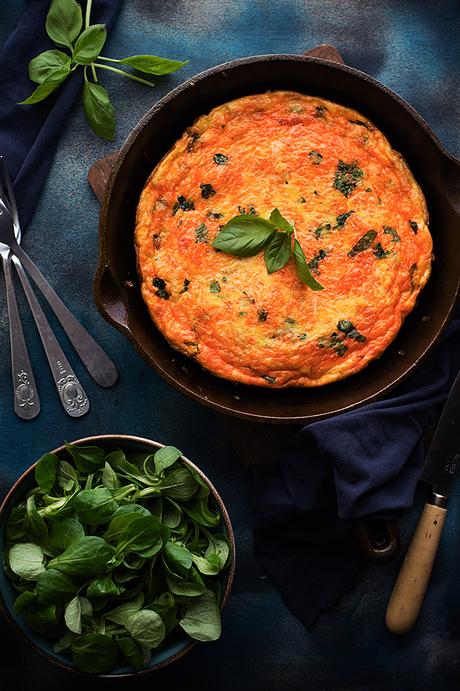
{"points": [[64, 22], [199, 510], [88, 459], [34, 525], [64, 643], [64, 531], [89, 44], [152, 64], [191, 586], [109, 477], [178, 558], [347, 177], [94, 653], [131, 650], [165, 457], [121, 614], [103, 586], [146, 627], [42, 618], [27, 560], [171, 513], [142, 533], [121, 519], [23, 600], [201, 618], [67, 477], [165, 605], [46, 472], [179, 484], [54, 586], [15, 525], [76, 609], [95, 506], [208, 566], [88, 556]]}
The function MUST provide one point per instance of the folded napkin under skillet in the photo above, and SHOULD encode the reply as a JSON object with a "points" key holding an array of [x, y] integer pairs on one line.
{"points": [[334, 471]]}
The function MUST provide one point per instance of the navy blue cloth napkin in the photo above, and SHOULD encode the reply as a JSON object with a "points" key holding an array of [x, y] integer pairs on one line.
{"points": [[358, 464], [29, 134]]}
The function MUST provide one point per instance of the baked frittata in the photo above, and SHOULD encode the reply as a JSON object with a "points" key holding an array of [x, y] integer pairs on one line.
{"points": [[359, 216]]}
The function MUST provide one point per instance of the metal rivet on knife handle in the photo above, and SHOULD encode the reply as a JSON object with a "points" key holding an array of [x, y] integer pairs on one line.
{"points": [[71, 393]]}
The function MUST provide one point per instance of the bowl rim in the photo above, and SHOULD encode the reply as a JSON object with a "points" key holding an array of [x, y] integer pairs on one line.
{"points": [[230, 571], [122, 324]]}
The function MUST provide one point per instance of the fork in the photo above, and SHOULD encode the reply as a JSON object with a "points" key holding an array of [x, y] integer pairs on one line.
{"points": [[93, 357]]}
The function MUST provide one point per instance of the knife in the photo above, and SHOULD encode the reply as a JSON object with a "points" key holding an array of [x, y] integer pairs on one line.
{"points": [[441, 463]]}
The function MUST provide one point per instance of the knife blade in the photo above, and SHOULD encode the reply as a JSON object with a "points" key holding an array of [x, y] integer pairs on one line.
{"points": [[441, 463]]}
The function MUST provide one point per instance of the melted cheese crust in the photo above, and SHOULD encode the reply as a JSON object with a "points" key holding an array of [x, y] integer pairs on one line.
{"points": [[303, 155]]}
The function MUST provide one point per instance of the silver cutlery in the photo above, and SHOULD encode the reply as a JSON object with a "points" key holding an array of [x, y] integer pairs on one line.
{"points": [[98, 364], [71, 393], [26, 401]]}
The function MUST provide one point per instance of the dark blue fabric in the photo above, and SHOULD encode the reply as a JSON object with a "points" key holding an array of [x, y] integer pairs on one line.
{"points": [[29, 134], [359, 464]]}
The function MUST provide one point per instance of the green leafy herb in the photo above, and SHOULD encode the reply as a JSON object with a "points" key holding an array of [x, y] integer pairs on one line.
{"points": [[313, 263], [220, 159], [201, 233], [347, 177], [262, 315], [413, 226], [64, 24], [246, 235], [388, 230], [321, 230], [363, 243], [214, 287], [380, 252], [207, 190], [320, 111], [342, 218], [360, 123], [182, 203], [334, 342], [315, 157], [125, 549]]}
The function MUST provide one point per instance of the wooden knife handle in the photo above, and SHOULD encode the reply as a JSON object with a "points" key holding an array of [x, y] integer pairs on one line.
{"points": [[409, 590]]}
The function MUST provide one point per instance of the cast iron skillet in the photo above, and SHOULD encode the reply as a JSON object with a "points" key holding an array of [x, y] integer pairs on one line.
{"points": [[117, 290]]}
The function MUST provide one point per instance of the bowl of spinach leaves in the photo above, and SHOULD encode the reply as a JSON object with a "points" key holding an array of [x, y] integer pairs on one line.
{"points": [[118, 555]]}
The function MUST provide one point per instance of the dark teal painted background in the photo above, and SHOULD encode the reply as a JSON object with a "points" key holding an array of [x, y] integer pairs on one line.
{"points": [[412, 46]]}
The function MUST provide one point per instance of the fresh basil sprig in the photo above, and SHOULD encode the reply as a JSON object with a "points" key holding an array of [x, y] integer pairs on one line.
{"points": [[51, 68], [246, 235], [113, 551]]}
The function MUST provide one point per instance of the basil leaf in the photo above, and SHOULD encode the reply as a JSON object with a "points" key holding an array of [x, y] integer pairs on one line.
{"points": [[50, 64], [89, 44], [303, 272], [152, 64], [23, 600], [27, 560], [201, 619], [46, 472], [34, 525], [99, 111], [44, 89], [64, 22], [280, 222], [277, 251], [53, 586], [146, 627], [88, 556], [88, 459], [95, 506], [64, 531], [244, 236], [165, 457], [94, 653]]}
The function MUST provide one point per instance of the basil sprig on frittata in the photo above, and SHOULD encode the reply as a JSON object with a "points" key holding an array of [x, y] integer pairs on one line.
{"points": [[247, 235]]}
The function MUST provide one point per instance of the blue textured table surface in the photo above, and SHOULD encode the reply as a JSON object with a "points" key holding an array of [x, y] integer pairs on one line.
{"points": [[410, 46]]}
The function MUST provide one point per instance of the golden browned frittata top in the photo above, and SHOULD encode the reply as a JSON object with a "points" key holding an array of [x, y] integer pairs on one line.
{"points": [[359, 217]]}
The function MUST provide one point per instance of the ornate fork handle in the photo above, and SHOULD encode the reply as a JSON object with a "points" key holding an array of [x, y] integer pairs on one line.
{"points": [[71, 393], [26, 401]]}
